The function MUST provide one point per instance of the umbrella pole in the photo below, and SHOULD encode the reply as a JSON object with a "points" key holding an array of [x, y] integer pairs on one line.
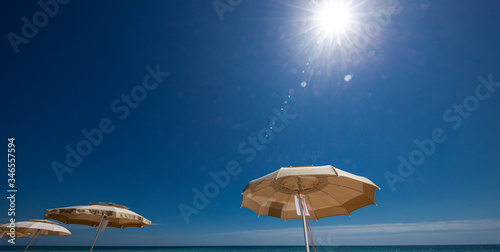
{"points": [[303, 217], [33, 246], [98, 231], [95, 239], [35, 235]]}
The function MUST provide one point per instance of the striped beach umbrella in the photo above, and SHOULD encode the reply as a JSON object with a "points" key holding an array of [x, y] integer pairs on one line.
{"points": [[36, 228], [100, 215]]}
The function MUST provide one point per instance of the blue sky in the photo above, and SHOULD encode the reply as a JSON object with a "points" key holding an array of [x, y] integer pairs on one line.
{"points": [[422, 88]]}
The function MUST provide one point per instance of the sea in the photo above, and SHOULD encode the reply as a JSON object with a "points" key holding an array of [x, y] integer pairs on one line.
{"points": [[443, 248]]}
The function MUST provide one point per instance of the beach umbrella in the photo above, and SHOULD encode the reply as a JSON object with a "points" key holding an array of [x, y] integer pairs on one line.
{"points": [[36, 228], [311, 192], [99, 214]]}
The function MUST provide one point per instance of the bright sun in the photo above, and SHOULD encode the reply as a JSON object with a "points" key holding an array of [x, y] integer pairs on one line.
{"points": [[334, 17]]}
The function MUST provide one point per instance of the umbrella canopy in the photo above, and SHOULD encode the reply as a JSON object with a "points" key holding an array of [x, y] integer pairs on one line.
{"points": [[98, 214], [36, 228], [328, 191], [118, 216], [45, 227]]}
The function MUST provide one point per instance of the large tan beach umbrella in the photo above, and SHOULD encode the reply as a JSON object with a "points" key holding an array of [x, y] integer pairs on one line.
{"points": [[324, 191], [36, 228], [99, 214]]}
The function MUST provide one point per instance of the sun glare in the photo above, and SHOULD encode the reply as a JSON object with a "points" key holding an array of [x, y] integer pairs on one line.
{"points": [[330, 31], [334, 17]]}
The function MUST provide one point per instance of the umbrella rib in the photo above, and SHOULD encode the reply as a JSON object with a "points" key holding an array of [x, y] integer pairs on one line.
{"points": [[264, 187], [70, 218], [265, 203], [312, 208], [246, 197], [286, 206], [342, 204], [348, 187]]}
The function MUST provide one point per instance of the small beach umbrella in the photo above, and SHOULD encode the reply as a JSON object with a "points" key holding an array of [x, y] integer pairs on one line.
{"points": [[311, 192], [99, 214], [36, 228]]}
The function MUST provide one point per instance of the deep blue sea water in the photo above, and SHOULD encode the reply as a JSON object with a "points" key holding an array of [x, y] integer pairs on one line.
{"points": [[461, 248]]}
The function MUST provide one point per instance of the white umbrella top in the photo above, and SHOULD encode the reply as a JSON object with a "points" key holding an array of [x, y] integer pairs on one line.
{"points": [[309, 175], [45, 227]]}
